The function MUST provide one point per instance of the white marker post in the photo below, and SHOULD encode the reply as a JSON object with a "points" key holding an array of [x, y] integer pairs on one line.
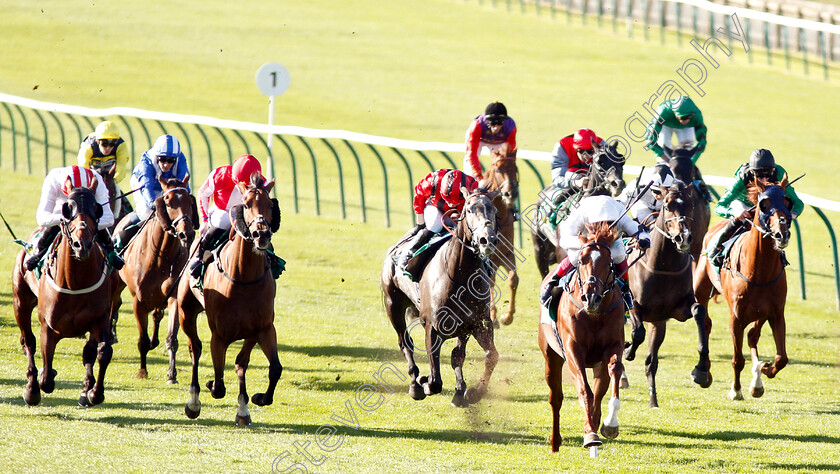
{"points": [[272, 80]]}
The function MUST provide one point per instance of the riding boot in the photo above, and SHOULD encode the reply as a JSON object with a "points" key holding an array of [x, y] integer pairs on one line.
{"points": [[624, 284], [123, 237], [104, 239], [41, 247], [562, 270], [701, 185], [204, 246], [716, 255], [416, 243]]}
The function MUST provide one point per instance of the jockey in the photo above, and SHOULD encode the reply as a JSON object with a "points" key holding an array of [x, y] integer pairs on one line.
{"points": [[678, 117], [57, 186], [734, 204], [163, 161], [221, 186], [590, 210], [434, 195], [104, 151], [650, 202], [492, 129], [571, 155]]}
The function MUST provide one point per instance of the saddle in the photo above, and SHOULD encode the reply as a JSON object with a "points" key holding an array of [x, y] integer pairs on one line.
{"points": [[727, 247], [415, 266]]}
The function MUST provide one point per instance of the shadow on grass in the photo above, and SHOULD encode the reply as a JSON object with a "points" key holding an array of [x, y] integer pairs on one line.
{"points": [[742, 435], [373, 353]]}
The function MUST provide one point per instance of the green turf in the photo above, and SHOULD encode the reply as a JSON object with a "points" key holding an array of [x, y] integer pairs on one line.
{"points": [[421, 71]]}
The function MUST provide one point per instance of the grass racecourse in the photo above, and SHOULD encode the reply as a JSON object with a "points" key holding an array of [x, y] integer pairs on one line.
{"points": [[417, 70]]}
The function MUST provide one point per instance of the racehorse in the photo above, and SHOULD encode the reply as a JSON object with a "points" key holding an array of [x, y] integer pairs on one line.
{"points": [[452, 298], [662, 284], [684, 170], [590, 333], [503, 176], [155, 260], [753, 282], [605, 176], [73, 296], [238, 297]]}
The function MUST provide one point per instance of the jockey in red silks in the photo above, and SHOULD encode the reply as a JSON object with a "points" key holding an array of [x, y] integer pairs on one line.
{"points": [[221, 186], [57, 186], [440, 191], [492, 129], [571, 156]]}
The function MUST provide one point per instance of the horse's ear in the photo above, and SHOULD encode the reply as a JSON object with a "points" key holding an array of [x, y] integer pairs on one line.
{"points": [[275, 215], [492, 194], [242, 187], [68, 186], [268, 186], [186, 179], [194, 216], [68, 209], [98, 211], [784, 183], [237, 216], [466, 192], [162, 182], [93, 185], [162, 215]]}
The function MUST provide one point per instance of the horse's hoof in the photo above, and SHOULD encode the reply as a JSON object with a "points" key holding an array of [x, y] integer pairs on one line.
{"points": [[610, 432], [496, 324], [217, 394], [83, 401], [735, 395], [507, 319], [142, 374], [591, 439], [94, 399], [48, 381], [243, 420], [623, 382], [756, 392], [172, 380], [629, 351], [32, 394], [416, 392], [192, 414], [260, 399], [703, 379], [458, 401], [474, 395]]}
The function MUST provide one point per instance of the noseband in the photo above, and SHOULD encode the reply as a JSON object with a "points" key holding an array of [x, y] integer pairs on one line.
{"points": [[474, 247], [683, 221], [601, 285]]}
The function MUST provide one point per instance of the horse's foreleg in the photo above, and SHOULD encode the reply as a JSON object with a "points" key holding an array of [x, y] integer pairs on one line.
{"points": [[243, 416], [484, 338], [603, 374], [637, 334], [268, 344], [458, 356], [737, 360], [188, 323], [702, 374], [157, 317], [24, 302], [433, 383], [513, 283], [88, 358], [778, 326], [577, 368], [756, 385], [172, 341], [104, 352], [657, 335], [48, 343], [141, 314], [554, 379], [218, 348]]}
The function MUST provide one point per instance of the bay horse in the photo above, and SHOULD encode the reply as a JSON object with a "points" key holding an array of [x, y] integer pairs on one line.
{"points": [[662, 286], [503, 176], [452, 299], [154, 261], [73, 296], [238, 297], [753, 282], [605, 177], [684, 170], [589, 333]]}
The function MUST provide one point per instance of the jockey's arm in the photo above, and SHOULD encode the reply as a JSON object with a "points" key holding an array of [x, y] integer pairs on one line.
{"points": [[473, 139], [204, 193], [559, 165], [101, 196], [511, 144], [45, 215], [699, 135], [85, 155]]}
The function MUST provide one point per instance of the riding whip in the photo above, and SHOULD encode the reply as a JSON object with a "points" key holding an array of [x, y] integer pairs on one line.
{"points": [[125, 194], [797, 179], [627, 209], [8, 227]]}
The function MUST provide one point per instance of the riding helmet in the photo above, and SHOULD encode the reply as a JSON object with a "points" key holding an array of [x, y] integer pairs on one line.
{"points": [[762, 159]]}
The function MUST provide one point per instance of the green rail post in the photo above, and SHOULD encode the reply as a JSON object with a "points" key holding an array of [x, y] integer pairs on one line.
{"points": [[712, 25], [727, 21], [645, 23], [14, 136], [678, 15], [553, 10], [767, 41], [824, 50], [314, 176], [361, 179], [804, 44], [131, 145], [694, 14], [834, 249], [340, 177], [522, 6], [629, 4], [448, 159], [245, 146], [662, 12], [63, 144], [385, 181], [146, 132], [207, 143], [568, 11], [410, 183], [801, 259], [227, 144], [747, 33], [537, 8], [79, 133], [787, 51], [190, 153], [268, 151], [432, 167], [28, 148], [294, 170], [583, 11], [615, 16], [600, 13], [46, 142]]}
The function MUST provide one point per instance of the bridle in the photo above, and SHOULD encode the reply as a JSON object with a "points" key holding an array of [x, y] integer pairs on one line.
{"points": [[171, 228], [682, 221], [458, 218], [603, 287]]}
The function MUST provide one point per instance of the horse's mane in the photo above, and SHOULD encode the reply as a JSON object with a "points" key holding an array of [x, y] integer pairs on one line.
{"points": [[173, 183], [601, 232]]}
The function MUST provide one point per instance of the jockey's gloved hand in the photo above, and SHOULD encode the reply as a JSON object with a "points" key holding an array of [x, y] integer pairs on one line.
{"points": [[545, 295], [644, 243], [794, 215]]}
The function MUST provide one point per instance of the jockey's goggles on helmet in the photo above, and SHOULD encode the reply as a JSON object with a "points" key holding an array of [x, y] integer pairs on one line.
{"points": [[107, 142], [765, 173], [586, 151], [495, 119], [167, 159]]}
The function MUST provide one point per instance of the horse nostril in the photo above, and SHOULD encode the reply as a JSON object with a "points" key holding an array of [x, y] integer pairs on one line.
{"points": [[77, 245], [255, 235], [182, 235], [483, 241]]}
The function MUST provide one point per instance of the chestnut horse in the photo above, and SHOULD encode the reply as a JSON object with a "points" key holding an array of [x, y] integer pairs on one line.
{"points": [[453, 301], [73, 296], [589, 333], [605, 176], [154, 261], [662, 284], [683, 169], [503, 176], [753, 282], [238, 297]]}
